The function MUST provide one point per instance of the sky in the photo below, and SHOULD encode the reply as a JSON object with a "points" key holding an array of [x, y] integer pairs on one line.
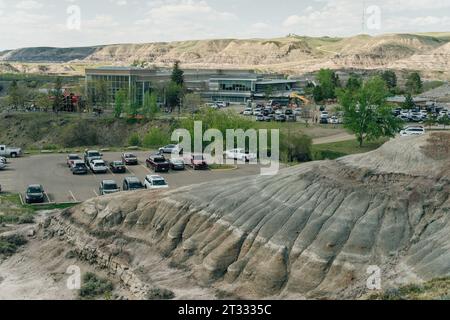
{"points": [[71, 23]]}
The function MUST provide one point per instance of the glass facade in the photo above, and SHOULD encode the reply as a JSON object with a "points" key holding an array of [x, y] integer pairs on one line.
{"points": [[235, 85]]}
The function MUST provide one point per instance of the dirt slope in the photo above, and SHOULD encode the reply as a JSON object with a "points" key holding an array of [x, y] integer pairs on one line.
{"points": [[310, 231]]}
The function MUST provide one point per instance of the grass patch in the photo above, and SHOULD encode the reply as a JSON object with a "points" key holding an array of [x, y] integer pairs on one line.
{"points": [[9, 245], [221, 167], [94, 287], [437, 289], [331, 151], [13, 212]]}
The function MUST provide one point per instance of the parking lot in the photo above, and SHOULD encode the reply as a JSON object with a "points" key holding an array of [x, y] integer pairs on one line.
{"points": [[52, 172]]}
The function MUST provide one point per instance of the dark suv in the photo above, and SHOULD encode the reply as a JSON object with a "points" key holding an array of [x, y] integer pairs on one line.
{"points": [[132, 184], [35, 194]]}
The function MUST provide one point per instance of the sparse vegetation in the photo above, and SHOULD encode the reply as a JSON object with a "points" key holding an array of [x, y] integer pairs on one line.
{"points": [[437, 289], [10, 244], [95, 287], [160, 294]]}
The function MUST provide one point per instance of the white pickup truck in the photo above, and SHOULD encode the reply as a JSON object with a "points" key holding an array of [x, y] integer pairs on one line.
{"points": [[10, 152]]}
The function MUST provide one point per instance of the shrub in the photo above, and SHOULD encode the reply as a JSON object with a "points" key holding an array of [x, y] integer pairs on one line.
{"points": [[134, 140], [160, 294], [296, 147], [94, 287], [9, 245], [327, 155], [156, 138], [79, 134]]}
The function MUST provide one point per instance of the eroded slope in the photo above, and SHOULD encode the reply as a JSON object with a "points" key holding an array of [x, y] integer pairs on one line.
{"points": [[310, 231]]}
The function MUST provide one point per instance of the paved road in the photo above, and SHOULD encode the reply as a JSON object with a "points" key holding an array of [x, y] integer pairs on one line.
{"points": [[61, 186]]}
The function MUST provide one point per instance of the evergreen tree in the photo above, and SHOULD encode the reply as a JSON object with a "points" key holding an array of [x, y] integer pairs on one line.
{"points": [[414, 84], [177, 74], [58, 98]]}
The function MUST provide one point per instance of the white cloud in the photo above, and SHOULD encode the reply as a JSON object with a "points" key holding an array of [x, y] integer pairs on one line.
{"points": [[29, 5]]}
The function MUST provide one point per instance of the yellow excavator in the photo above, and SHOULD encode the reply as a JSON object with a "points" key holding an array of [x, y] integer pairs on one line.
{"points": [[295, 95]]}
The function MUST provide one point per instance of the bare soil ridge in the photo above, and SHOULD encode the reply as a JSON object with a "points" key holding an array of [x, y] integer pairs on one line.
{"points": [[310, 231]]}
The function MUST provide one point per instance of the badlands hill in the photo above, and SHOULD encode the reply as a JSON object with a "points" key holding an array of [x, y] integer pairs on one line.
{"points": [[293, 54], [311, 231]]}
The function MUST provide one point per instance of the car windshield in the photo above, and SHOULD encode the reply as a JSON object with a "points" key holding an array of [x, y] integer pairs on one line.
{"points": [[130, 156], [198, 158], [159, 183], [34, 190], [135, 185], [110, 186], [118, 163], [159, 160], [100, 164], [80, 165], [74, 157], [94, 154]]}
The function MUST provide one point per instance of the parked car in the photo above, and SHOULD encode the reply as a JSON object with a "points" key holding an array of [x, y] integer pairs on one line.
{"points": [[35, 194], [10, 152], [2, 165], [412, 131], [98, 166], [323, 120], [334, 120], [132, 184], [152, 182], [108, 187], [248, 112], [280, 118], [197, 162], [240, 154], [130, 159], [91, 155], [158, 163], [177, 164], [3, 160], [171, 149], [117, 167], [260, 117], [71, 158], [79, 167], [268, 118]]}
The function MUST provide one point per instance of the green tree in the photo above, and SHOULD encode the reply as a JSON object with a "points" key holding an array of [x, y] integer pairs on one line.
{"points": [[150, 105], [318, 94], [14, 97], [445, 121], [131, 108], [102, 93], [409, 102], [58, 98], [354, 83], [173, 95], [414, 84], [120, 102], [134, 140], [390, 77], [177, 74], [268, 91], [43, 101], [366, 112], [328, 81]]}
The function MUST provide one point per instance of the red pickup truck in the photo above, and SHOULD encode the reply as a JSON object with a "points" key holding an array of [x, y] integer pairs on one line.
{"points": [[197, 162], [158, 163]]}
